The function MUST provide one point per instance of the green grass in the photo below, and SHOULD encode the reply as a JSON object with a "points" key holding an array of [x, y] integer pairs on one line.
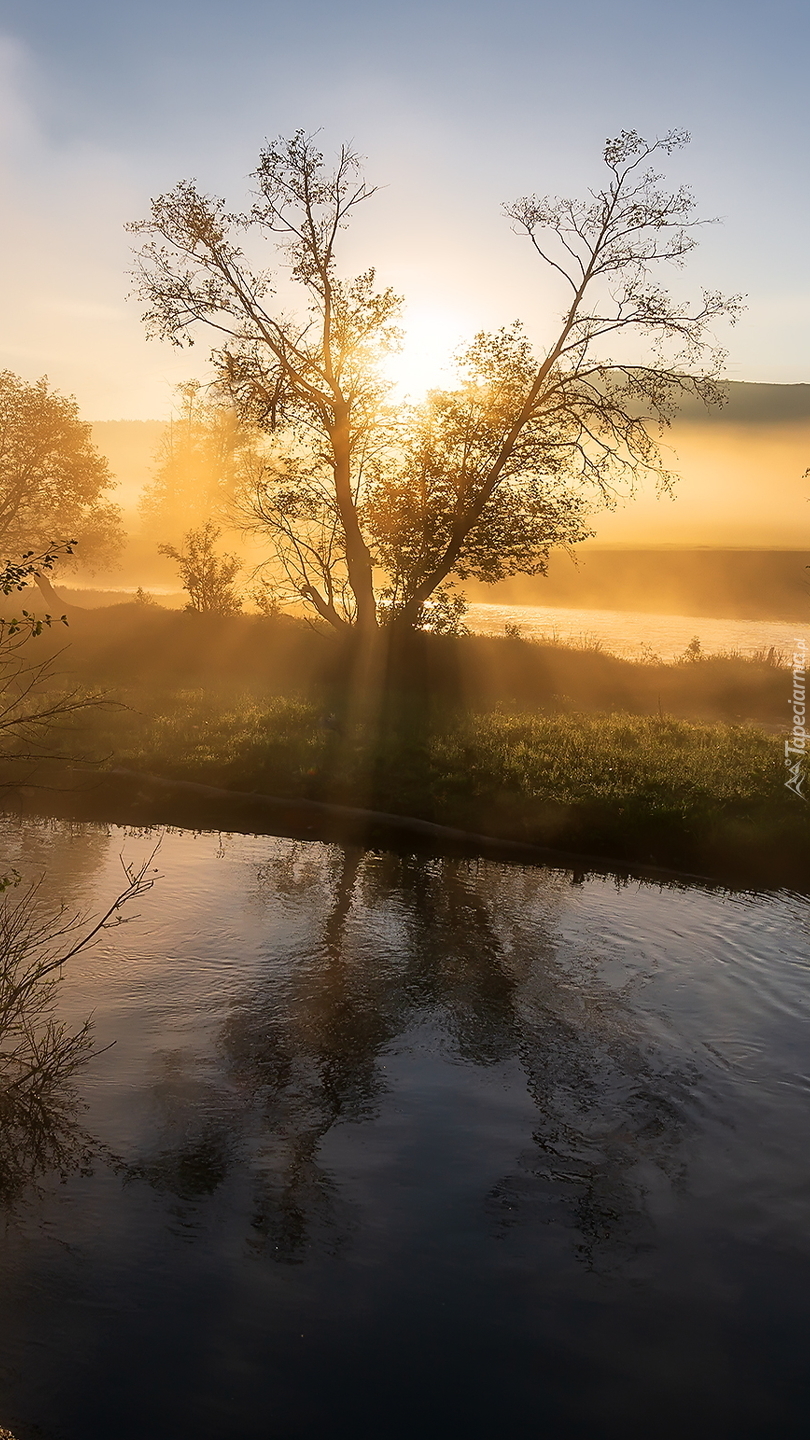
{"points": [[556, 746], [565, 757], [646, 788]]}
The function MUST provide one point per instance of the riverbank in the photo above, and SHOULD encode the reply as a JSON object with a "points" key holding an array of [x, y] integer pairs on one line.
{"points": [[140, 653], [639, 792], [638, 635], [735, 584], [555, 748]]}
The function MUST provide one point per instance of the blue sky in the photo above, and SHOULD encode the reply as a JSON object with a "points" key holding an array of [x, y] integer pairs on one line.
{"points": [[457, 106]]}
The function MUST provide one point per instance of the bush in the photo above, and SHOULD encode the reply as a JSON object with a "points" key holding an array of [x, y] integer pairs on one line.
{"points": [[206, 577]]}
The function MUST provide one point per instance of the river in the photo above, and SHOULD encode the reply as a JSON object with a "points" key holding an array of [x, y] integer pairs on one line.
{"points": [[638, 634], [393, 1146], [635, 634]]}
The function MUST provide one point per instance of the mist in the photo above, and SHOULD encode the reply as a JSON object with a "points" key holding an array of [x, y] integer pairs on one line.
{"points": [[732, 539], [451, 1072]]}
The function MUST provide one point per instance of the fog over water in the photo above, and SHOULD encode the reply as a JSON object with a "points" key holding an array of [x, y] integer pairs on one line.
{"points": [[637, 634]]}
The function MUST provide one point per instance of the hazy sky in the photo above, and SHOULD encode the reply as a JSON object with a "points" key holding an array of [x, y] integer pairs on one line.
{"points": [[458, 106]]}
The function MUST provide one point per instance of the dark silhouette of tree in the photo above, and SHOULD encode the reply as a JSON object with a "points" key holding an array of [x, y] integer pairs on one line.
{"points": [[39, 1054], [316, 375], [483, 479], [53, 481], [207, 577]]}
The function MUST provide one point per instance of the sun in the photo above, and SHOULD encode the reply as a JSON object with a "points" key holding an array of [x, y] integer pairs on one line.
{"points": [[425, 361]]}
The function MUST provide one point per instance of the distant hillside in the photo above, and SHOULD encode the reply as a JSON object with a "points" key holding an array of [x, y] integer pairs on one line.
{"points": [[752, 404], [130, 445], [732, 584], [740, 473]]}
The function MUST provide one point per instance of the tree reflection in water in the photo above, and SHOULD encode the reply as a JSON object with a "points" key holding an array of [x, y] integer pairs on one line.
{"points": [[468, 948], [40, 1133], [40, 1137]]}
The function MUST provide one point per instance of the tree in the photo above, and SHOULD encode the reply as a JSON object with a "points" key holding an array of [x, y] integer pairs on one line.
{"points": [[483, 479], [39, 1054], [206, 577], [198, 464], [31, 702], [418, 505], [317, 375], [53, 481], [505, 466]]}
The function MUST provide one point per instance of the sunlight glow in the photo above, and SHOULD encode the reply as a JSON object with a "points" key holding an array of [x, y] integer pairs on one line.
{"points": [[425, 361]]}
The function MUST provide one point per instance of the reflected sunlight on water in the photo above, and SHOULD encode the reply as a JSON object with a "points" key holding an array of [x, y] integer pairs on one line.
{"points": [[634, 633]]}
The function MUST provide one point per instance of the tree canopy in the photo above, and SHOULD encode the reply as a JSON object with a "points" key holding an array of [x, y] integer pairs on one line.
{"points": [[374, 509], [53, 481], [197, 465]]}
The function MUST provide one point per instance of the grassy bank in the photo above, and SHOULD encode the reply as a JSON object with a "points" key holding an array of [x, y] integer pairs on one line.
{"points": [[486, 735], [143, 651], [708, 799]]}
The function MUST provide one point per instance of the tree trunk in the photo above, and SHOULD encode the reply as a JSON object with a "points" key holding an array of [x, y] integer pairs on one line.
{"points": [[49, 595], [358, 557]]}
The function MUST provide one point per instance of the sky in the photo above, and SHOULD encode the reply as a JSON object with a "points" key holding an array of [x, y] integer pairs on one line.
{"points": [[457, 106]]}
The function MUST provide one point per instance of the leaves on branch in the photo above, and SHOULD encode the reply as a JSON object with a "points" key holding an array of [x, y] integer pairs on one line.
{"points": [[482, 480]]}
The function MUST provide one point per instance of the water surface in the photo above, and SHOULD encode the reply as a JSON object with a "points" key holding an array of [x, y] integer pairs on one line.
{"points": [[638, 634], [388, 1146]]}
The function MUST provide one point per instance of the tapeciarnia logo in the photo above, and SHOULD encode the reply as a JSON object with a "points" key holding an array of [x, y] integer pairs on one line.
{"points": [[796, 746]]}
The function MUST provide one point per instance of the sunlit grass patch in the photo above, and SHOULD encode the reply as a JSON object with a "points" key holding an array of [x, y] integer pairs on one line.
{"points": [[573, 757], [641, 787], [453, 762], [239, 740]]}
